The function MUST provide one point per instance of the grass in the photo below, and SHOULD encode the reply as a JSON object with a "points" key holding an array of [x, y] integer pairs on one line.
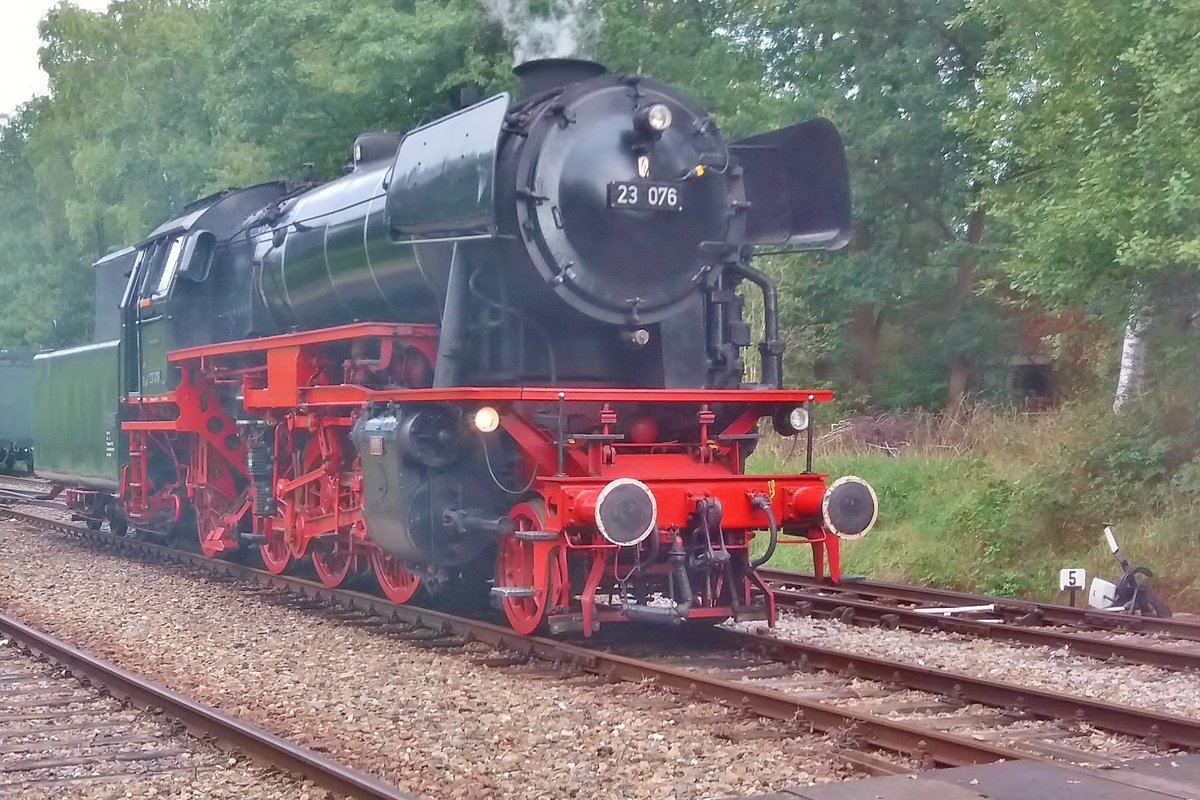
{"points": [[1001, 503]]}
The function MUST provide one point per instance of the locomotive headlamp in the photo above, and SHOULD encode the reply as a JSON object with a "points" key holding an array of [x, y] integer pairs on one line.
{"points": [[790, 421], [654, 118], [638, 338], [658, 117], [486, 420]]}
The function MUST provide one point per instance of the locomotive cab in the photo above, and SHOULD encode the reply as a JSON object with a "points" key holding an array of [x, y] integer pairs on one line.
{"points": [[185, 287]]}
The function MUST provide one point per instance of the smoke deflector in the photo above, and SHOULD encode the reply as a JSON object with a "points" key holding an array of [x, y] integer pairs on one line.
{"points": [[443, 179], [798, 185]]}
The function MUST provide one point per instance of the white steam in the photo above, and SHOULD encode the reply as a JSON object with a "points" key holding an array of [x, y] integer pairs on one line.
{"points": [[554, 29]]}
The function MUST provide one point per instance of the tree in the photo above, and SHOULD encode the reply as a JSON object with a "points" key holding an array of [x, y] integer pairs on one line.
{"points": [[125, 114], [158, 102], [1090, 119], [892, 76], [297, 80], [38, 295], [688, 45]]}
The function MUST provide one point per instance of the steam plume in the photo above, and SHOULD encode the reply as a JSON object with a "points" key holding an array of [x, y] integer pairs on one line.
{"points": [[549, 29]]}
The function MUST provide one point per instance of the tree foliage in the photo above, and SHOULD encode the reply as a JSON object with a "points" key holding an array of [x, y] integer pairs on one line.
{"points": [[1057, 142], [157, 102], [1092, 132], [892, 75]]}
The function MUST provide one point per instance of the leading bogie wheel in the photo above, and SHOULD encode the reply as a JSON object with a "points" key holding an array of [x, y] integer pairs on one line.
{"points": [[525, 599]]}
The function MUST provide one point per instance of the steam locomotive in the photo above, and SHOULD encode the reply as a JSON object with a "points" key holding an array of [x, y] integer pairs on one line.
{"points": [[505, 350]]}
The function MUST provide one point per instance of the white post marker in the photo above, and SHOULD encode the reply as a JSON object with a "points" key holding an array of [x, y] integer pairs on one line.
{"points": [[1073, 580], [1112, 540]]}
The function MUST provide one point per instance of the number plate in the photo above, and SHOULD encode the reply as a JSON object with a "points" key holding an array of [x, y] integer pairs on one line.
{"points": [[646, 195]]}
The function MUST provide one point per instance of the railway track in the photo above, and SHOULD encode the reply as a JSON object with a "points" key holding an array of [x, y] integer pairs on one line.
{"points": [[23, 482], [69, 726], [57, 733], [1173, 643], [895, 606], [947, 719], [28, 491]]}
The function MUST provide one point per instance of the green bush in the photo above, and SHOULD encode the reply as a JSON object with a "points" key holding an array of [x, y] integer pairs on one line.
{"points": [[1028, 496]]}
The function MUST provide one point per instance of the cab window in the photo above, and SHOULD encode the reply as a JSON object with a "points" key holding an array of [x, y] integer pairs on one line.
{"points": [[148, 267], [170, 266], [156, 266], [133, 285]]}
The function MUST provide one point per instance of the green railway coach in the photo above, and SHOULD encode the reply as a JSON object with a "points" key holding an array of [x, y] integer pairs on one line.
{"points": [[75, 393]]}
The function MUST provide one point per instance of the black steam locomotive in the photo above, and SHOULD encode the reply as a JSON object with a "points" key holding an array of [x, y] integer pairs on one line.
{"points": [[506, 347]]}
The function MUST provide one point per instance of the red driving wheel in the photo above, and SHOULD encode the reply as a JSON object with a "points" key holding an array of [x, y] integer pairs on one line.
{"points": [[333, 553], [332, 561], [276, 556], [399, 584], [212, 502]]}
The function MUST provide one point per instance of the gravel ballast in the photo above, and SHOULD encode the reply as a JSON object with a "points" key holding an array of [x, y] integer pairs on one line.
{"points": [[436, 724], [94, 747]]}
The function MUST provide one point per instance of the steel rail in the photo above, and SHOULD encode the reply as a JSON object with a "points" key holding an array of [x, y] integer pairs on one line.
{"points": [[248, 738], [25, 480], [853, 611], [931, 745], [1029, 612], [1043, 703]]}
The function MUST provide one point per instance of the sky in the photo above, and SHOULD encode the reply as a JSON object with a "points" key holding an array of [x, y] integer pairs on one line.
{"points": [[20, 77]]}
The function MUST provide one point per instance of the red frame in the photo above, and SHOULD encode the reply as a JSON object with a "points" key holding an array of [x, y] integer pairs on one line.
{"points": [[294, 385]]}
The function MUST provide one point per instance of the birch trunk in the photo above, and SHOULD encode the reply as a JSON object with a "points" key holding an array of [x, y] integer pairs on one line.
{"points": [[1132, 377]]}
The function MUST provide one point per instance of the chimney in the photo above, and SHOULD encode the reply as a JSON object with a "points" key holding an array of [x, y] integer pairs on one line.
{"points": [[543, 74]]}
